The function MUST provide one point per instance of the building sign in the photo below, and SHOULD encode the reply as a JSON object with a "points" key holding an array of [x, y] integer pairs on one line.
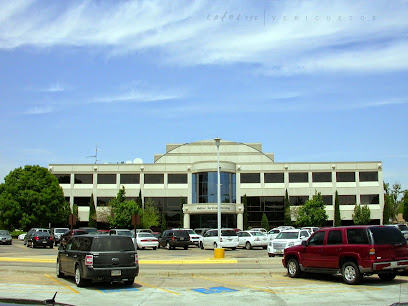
{"points": [[210, 208]]}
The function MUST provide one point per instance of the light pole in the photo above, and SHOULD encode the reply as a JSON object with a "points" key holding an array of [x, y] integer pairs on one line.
{"points": [[217, 143]]}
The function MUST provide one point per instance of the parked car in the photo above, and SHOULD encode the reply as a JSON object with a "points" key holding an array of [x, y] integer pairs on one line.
{"points": [[402, 227], [259, 229], [201, 230], [250, 239], [75, 232], [175, 238], [285, 239], [43, 239], [194, 237], [274, 232], [123, 232], [311, 229], [98, 258], [21, 236], [58, 232], [146, 240], [33, 230], [5, 237], [354, 251], [229, 239], [103, 232], [89, 230]]}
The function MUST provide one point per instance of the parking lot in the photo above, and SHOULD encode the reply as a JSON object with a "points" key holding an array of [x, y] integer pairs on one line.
{"points": [[191, 277]]}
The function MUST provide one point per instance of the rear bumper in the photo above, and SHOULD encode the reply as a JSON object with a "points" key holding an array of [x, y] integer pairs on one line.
{"points": [[386, 266], [105, 274]]}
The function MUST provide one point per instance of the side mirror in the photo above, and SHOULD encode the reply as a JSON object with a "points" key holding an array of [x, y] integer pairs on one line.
{"points": [[304, 242]]}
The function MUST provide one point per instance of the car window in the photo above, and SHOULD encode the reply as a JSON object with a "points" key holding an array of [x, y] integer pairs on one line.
{"points": [[75, 244], [145, 235], [357, 236], [304, 233], [111, 243], [124, 233], [403, 227], [228, 233], [334, 237], [85, 243], [317, 239], [387, 235]]}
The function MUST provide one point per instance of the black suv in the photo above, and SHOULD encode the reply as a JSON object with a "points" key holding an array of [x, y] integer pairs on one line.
{"points": [[98, 258], [175, 238]]}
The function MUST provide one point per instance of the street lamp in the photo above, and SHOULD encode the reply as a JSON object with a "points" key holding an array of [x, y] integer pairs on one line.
{"points": [[217, 143]]}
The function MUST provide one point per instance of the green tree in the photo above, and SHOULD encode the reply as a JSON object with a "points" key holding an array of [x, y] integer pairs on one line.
{"points": [[395, 193], [182, 202], [32, 197], [265, 222], [140, 199], [337, 217], [163, 223], [287, 219], [313, 212], [405, 206], [92, 213], [245, 202], [362, 215], [122, 210], [151, 214], [387, 212]]}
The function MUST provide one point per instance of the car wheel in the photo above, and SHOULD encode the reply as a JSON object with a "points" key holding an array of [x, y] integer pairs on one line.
{"points": [[293, 268], [59, 273], [387, 276], [201, 246], [233, 249], [130, 281], [350, 273], [248, 245], [215, 245], [79, 281], [154, 248], [168, 246], [186, 247], [265, 247], [271, 255], [51, 246]]}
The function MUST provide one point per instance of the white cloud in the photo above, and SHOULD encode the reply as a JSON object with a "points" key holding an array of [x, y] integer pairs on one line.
{"points": [[39, 110]]}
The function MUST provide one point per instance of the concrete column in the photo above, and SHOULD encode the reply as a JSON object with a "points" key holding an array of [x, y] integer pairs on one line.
{"points": [[186, 222], [240, 221]]}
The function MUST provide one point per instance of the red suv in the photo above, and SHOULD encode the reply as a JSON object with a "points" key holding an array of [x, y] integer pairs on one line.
{"points": [[354, 251]]}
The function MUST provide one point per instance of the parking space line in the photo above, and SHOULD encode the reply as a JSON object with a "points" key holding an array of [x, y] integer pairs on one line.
{"points": [[151, 286], [57, 281]]}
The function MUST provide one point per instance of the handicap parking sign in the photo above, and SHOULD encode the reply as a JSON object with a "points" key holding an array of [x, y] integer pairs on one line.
{"points": [[213, 290]]}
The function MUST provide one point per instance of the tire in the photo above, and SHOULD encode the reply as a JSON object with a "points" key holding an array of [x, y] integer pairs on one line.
{"points": [[215, 245], [233, 249], [168, 246], [293, 268], [51, 246], [271, 255], [265, 247], [186, 247], [79, 281], [248, 245], [350, 273], [58, 270], [387, 276], [201, 246], [154, 248], [129, 282]]}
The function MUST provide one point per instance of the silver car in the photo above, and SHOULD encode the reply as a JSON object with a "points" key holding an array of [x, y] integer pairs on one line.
{"points": [[5, 237]]}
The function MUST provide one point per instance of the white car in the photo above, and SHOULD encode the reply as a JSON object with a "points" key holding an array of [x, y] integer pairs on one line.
{"points": [[273, 233], [250, 239], [123, 232], [146, 240], [258, 229], [229, 239], [311, 229], [286, 239], [22, 236], [194, 237]]}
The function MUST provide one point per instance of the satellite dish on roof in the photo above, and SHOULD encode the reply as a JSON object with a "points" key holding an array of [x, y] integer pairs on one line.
{"points": [[138, 161]]}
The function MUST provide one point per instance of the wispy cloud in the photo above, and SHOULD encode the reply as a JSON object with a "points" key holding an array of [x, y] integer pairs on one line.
{"points": [[39, 110], [287, 37], [55, 87]]}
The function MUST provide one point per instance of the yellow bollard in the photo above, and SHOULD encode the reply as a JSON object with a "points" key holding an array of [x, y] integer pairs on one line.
{"points": [[219, 253]]}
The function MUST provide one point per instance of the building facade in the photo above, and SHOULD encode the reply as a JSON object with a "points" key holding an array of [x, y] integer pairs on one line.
{"points": [[184, 179]]}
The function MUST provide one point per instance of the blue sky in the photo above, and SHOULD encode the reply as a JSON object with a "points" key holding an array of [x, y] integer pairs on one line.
{"points": [[311, 80]]}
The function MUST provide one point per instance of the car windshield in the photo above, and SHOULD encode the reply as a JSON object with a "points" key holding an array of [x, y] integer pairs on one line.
{"points": [[257, 234], [228, 233], [60, 230], [274, 231], [4, 233], [42, 234], [287, 235], [387, 235], [124, 233]]}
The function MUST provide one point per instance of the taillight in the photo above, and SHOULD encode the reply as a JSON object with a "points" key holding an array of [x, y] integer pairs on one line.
{"points": [[36, 238], [50, 238], [220, 239], [89, 260], [136, 259], [372, 254], [173, 238]]}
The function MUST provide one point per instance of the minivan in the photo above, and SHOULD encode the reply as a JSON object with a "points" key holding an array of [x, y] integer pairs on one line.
{"points": [[174, 238], [229, 239]]}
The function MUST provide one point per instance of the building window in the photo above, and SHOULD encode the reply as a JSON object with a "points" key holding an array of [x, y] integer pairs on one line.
{"points": [[250, 178], [273, 178], [298, 177], [177, 179], [130, 178], [320, 177], [83, 178], [154, 178], [205, 187], [298, 200], [368, 176], [104, 201], [272, 207], [82, 201], [106, 178], [327, 199], [370, 199], [63, 178], [347, 199], [345, 176]]}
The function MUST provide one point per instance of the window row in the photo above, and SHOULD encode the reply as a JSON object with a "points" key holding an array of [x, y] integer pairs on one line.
{"points": [[303, 177], [124, 178]]}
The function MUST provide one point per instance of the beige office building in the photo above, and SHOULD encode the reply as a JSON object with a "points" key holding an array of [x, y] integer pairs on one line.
{"points": [[186, 176]]}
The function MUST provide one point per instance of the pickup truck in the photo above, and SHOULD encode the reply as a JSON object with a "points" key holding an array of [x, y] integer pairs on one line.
{"points": [[353, 251]]}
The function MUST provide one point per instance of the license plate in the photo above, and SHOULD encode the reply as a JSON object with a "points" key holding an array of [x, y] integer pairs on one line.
{"points": [[181, 238], [279, 251], [44, 241], [394, 264], [115, 272]]}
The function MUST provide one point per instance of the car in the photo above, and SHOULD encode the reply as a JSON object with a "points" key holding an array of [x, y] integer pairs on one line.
{"points": [[103, 232], [98, 258], [123, 232], [5, 237], [250, 239], [75, 232], [145, 230], [194, 237], [402, 227], [311, 229], [146, 240], [21, 236], [33, 230], [229, 239], [353, 251], [259, 229], [89, 230], [39, 238], [201, 230], [274, 232], [174, 238], [285, 239], [58, 232]]}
